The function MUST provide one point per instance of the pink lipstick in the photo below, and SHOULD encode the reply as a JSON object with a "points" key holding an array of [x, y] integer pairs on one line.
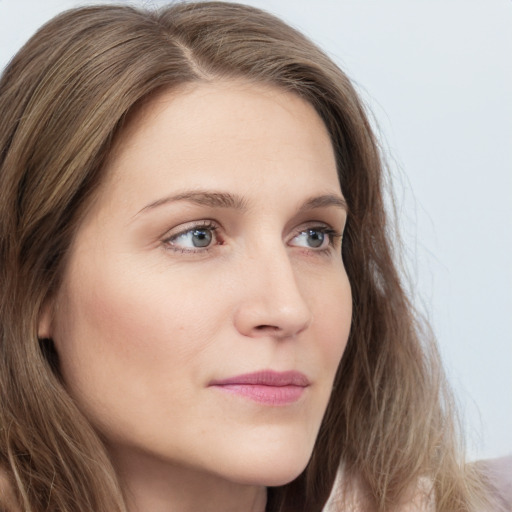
{"points": [[266, 387]]}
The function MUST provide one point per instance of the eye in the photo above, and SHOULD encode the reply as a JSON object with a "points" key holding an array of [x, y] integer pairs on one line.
{"points": [[196, 238], [318, 238]]}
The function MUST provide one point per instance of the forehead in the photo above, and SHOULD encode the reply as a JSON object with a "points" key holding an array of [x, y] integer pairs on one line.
{"points": [[208, 134]]}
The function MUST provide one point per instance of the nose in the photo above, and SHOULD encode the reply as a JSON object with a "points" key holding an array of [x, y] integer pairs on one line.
{"points": [[271, 303]]}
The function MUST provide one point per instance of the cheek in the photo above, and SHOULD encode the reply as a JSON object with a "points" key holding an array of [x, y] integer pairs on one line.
{"points": [[330, 301], [335, 316], [130, 315], [120, 337]]}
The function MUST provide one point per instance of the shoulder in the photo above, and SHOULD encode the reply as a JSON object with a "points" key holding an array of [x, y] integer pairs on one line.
{"points": [[420, 498], [7, 498], [353, 498], [498, 473]]}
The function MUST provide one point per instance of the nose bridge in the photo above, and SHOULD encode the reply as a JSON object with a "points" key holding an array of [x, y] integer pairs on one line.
{"points": [[272, 301]]}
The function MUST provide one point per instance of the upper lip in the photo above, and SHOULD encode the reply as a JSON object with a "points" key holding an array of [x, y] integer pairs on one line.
{"points": [[266, 378]]}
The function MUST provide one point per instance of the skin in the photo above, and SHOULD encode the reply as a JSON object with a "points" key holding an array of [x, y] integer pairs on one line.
{"points": [[145, 320]]}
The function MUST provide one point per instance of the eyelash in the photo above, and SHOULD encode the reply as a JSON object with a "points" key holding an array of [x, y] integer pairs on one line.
{"points": [[203, 225], [332, 235]]}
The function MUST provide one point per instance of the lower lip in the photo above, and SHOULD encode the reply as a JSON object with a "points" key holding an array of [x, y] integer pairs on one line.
{"points": [[268, 395]]}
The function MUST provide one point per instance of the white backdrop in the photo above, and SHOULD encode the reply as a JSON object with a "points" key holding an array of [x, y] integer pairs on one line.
{"points": [[438, 78]]}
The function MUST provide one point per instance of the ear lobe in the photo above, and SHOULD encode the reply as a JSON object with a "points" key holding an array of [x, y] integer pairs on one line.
{"points": [[44, 325]]}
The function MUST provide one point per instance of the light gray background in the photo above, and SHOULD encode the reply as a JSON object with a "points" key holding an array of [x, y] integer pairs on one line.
{"points": [[437, 75]]}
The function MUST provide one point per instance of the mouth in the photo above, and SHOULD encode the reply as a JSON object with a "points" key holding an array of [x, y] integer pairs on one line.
{"points": [[266, 387]]}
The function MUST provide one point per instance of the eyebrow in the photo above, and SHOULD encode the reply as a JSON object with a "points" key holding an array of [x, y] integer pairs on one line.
{"points": [[232, 201], [201, 198], [324, 201]]}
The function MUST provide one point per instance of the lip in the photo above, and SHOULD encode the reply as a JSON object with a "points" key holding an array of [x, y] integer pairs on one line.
{"points": [[266, 387]]}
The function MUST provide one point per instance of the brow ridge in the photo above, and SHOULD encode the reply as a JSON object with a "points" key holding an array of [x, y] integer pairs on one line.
{"points": [[202, 198], [229, 200], [324, 201]]}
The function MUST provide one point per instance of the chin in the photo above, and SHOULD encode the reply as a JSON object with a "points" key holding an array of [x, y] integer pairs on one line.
{"points": [[282, 478], [272, 470]]}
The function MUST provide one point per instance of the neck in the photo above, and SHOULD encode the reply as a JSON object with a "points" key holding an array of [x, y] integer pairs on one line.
{"points": [[153, 485]]}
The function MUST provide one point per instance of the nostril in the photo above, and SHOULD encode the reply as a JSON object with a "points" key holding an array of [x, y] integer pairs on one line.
{"points": [[267, 328], [279, 318]]}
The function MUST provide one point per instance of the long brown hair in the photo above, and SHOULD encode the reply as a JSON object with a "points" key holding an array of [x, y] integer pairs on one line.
{"points": [[63, 100]]}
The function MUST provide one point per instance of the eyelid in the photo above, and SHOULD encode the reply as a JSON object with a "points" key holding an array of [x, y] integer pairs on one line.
{"points": [[317, 224], [208, 224], [183, 229], [333, 235]]}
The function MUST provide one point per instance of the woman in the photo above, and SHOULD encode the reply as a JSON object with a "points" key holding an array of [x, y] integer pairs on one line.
{"points": [[182, 327]]}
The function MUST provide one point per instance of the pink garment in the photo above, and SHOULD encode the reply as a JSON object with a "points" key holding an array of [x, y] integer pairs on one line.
{"points": [[499, 476], [499, 473]]}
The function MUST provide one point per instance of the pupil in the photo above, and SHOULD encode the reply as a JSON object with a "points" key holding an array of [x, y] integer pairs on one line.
{"points": [[201, 237], [316, 238]]}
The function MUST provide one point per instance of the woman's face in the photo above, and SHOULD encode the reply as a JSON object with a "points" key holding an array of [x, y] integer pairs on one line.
{"points": [[205, 306]]}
